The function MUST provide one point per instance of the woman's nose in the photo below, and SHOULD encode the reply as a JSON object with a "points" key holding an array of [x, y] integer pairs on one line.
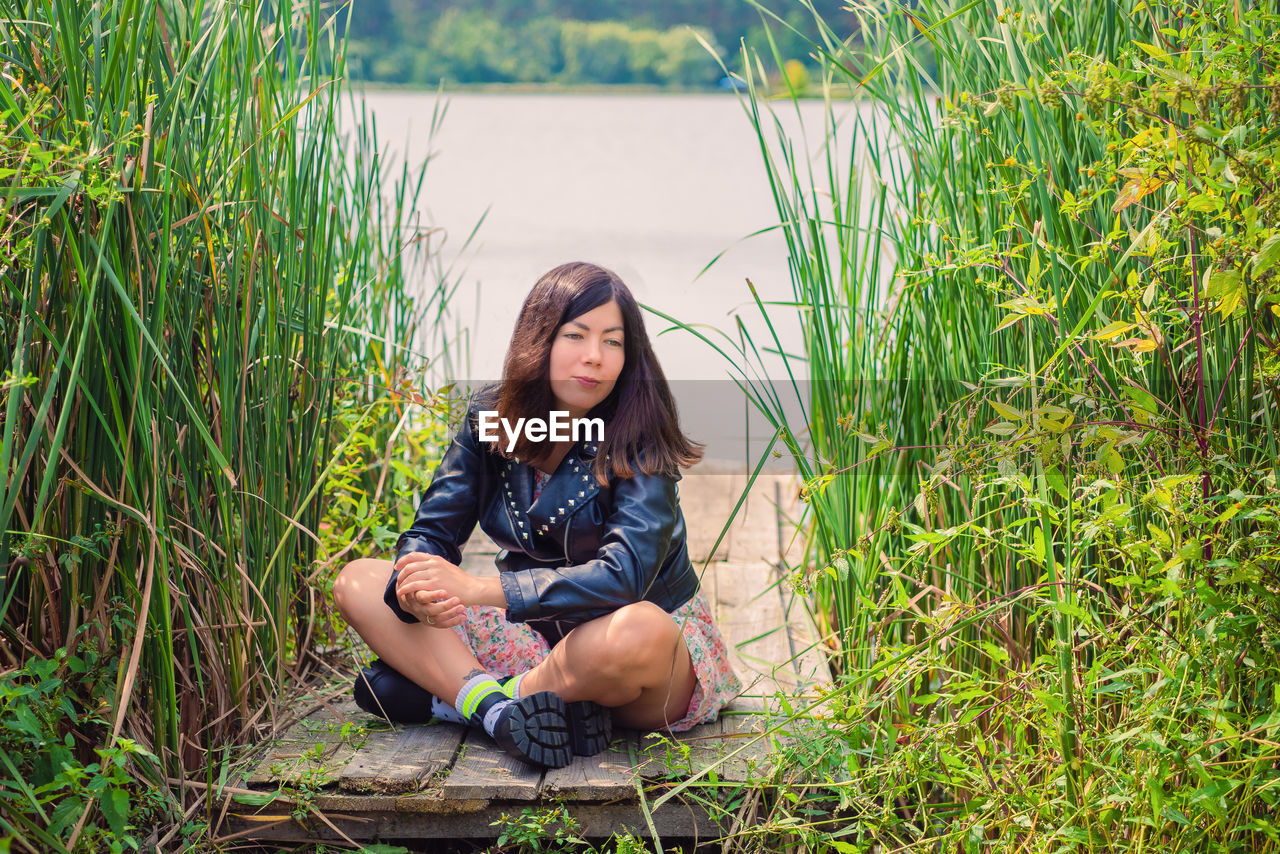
{"points": [[592, 352]]}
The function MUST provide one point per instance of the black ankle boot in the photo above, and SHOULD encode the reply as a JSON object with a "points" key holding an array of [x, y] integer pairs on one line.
{"points": [[382, 691], [536, 729], [590, 727]]}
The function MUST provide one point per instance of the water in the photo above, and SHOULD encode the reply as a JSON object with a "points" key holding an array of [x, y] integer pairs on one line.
{"points": [[653, 186]]}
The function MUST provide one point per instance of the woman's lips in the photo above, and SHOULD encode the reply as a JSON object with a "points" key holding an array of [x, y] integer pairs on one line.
{"points": [[587, 383]]}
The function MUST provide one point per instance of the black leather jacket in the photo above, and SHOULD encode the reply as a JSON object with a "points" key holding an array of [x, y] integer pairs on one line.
{"points": [[580, 552]]}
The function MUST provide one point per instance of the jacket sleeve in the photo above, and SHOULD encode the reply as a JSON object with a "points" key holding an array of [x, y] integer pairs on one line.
{"points": [[448, 512], [634, 544]]}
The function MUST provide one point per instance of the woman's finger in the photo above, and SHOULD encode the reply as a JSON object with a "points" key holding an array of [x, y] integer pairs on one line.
{"points": [[429, 596], [451, 617], [439, 606], [414, 587], [412, 572], [416, 560], [415, 564]]}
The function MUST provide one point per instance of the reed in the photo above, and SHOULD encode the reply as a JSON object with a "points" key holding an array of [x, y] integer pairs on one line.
{"points": [[1036, 387], [201, 270]]}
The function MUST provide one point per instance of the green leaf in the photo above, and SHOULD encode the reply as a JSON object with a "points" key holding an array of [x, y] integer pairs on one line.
{"points": [[997, 653], [1149, 294], [256, 799], [1267, 256], [1070, 610], [1037, 545], [1112, 687], [1111, 330], [1153, 51], [1051, 702], [1204, 203], [1009, 320], [115, 808], [1057, 483], [1141, 398], [1155, 795], [1227, 288], [1008, 411]]}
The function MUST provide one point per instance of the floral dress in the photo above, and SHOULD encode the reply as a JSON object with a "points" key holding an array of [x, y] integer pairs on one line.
{"points": [[504, 648]]}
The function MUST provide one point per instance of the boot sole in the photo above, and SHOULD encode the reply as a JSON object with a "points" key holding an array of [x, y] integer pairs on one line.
{"points": [[536, 729], [590, 727]]}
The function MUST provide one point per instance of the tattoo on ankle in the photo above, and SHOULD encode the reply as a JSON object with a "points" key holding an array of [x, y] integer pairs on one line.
{"points": [[473, 674]]}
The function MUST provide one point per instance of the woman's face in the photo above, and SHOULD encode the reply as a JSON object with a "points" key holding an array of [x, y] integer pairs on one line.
{"points": [[586, 358]]}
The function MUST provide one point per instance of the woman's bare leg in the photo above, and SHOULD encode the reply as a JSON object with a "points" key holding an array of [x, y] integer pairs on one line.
{"points": [[434, 658], [634, 660]]}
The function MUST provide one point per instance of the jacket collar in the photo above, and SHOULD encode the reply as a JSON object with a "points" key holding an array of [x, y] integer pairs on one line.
{"points": [[572, 486]]}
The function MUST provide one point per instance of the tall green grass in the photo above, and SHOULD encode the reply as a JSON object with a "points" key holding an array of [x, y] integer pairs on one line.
{"points": [[1039, 309], [201, 270]]}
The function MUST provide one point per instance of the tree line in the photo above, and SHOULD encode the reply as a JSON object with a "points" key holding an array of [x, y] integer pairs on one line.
{"points": [[568, 42]]}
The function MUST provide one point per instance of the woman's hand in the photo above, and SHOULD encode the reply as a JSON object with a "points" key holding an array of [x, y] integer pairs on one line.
{"points": [[436, 591]]}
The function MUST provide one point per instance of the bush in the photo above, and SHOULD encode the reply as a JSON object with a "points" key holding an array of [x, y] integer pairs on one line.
{"points": [[1041, 448]]}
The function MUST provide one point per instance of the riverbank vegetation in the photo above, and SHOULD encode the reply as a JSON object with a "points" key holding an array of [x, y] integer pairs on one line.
{"points": [[207, 352], [1040, 313], [568, 43]]}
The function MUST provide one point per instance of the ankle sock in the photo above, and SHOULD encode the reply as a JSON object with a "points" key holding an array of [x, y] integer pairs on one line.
{"points": [[511, 685], [481, 701]]}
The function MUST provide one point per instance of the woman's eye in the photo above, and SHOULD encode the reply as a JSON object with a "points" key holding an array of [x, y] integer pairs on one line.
{"points": [[614, 342], [573, 335]]}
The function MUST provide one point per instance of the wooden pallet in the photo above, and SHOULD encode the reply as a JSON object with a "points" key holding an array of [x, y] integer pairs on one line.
{"points": [[351, 775]]}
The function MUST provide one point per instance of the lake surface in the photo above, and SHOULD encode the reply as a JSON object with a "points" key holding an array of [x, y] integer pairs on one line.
{"points": [[653, 186]]}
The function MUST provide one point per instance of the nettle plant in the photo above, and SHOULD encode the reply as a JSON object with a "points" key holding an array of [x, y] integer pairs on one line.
{"points": [[1144, 277]]}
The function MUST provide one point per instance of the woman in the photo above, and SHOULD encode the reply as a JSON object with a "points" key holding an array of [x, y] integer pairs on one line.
{"points": [[595, 617]]}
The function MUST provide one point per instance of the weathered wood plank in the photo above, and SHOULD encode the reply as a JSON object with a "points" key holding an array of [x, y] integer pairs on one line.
{"points": [[313, 751], [743, 747], [751, 622], [316, 763], [401, 760], [360, 820], [732, 748], [483, 771], [771, 649], [708, 492], [754, 537], [675, 757], [604, 777]]}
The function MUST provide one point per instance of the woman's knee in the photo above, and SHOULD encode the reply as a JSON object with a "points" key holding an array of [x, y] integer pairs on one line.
{"points": [[359, 585], [640, 632]]}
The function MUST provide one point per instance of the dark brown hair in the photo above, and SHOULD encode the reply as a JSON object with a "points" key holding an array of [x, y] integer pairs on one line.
{"points": [[642, 428]]}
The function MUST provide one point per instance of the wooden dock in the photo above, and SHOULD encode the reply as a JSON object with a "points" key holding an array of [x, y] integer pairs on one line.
{"points": [[340, 774]]}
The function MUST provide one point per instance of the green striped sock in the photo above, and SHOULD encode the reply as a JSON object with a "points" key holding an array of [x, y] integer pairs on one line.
{"points": [[481, 700]]}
